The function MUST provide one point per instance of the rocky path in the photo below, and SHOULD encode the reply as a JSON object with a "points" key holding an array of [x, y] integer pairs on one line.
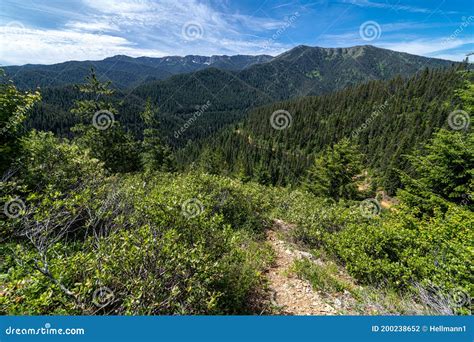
{"points": [[289, 294]]}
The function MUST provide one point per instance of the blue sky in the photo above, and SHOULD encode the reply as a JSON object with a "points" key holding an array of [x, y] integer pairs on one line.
{"points": [[52, 31]]}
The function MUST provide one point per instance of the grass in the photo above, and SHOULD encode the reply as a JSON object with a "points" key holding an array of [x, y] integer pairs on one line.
{"points": [[324, 278]]}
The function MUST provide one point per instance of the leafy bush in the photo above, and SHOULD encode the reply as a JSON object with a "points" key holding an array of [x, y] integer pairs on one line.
{"points": [[155, 254], [50, 162], [403, 249], [315, 217]]}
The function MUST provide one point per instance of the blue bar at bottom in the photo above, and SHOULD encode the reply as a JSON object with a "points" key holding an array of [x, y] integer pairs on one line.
{"points": [[237, 328]]}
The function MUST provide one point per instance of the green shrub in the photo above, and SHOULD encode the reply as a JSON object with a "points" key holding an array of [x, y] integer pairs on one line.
{"points": [[139, 242], [403, 249]]}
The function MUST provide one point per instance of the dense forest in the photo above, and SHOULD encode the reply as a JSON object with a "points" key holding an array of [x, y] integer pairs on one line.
{"points": [[103, 214], [386, 119]]}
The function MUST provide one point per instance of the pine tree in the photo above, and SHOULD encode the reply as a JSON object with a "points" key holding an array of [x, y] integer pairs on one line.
{"points": [[242, 172], [335, 172], [155, 156], [442, 172], [14, 108], [262, 174], [100, 132], [213, 162]]}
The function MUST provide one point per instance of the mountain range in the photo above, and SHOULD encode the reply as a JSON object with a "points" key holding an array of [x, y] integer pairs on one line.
{"points": [[124, 71], [177, 86], [299, 71]]}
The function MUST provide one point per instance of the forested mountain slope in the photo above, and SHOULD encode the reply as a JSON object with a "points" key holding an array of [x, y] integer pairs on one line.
{"points": [[306, 70], [385, 118]]}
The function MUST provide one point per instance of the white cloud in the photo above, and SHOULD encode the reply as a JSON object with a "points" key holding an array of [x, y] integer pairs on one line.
{"points": [[457, 57], [157, 28], [140, 27], [116, 6], [426, 47], [172, 14], [27, 45], [395, 6], [92, 26]]}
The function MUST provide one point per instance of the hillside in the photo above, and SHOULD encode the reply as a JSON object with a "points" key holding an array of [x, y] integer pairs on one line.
{"points": [[300, 71], [387, 119], [306, 70], [106, 222], [123, 71]]}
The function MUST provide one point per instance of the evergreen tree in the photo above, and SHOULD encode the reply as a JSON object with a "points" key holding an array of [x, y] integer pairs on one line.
{"points": [[242, 172], [101, 133], [155, 155], [213, 162], [440, 173], [262, 175], [335, 171], [14, 108]]}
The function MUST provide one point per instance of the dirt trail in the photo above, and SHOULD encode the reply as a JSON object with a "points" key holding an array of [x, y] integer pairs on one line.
{"points": [[289, 294]]}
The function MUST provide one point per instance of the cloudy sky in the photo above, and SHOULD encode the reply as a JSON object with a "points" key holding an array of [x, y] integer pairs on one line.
{"points": [[52, 31]]}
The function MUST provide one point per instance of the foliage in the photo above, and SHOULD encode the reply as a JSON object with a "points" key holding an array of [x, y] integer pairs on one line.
{"points": [[109, 143], [402, 249], [334, 172], [386, 119], [194, 243], [399, 248], [14, 108], [154, 155], [233, 85], [322, 277], [442, 173], [155, 259], [54, 163]]}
